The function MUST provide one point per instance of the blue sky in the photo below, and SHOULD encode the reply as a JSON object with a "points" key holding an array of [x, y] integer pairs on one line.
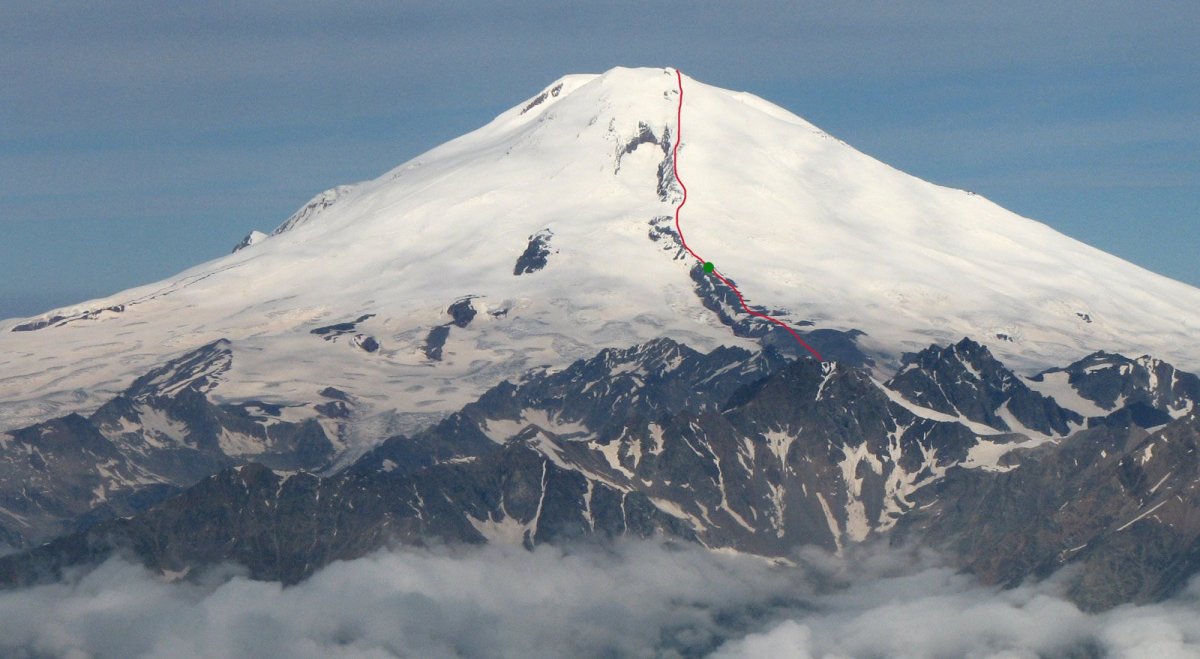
{"points": [[139, 138]]}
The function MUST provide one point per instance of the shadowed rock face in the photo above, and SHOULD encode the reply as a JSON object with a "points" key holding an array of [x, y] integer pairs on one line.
{"points": [[160, 435], [833, 345], [462, 312], [731, 449], [1116, 502]]}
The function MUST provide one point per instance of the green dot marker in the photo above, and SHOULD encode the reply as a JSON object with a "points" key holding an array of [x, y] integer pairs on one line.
{"points": [[708, 266]]}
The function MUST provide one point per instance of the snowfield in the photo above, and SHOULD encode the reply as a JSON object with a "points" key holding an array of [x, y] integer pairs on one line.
{"points": [[804, 223]]}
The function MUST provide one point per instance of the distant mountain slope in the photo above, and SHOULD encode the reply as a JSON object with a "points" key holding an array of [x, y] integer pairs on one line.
{"points": [[548, 225]]}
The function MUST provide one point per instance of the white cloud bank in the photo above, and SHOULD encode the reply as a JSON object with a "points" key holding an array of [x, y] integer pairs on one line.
{"points": [[638, 600]]}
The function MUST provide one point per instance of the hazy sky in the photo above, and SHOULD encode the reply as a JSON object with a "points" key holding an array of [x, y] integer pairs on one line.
{"points": [[139, 138]]}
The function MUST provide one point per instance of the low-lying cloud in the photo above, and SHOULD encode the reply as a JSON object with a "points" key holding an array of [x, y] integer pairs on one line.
{"points": [[937, 613], [636, 599]]}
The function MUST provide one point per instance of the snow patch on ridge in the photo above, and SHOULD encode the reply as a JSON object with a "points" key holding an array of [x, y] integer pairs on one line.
{"points": [[1056, 385]]}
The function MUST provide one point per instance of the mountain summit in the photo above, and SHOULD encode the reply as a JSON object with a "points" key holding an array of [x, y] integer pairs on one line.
{"points": [[548, 235]]}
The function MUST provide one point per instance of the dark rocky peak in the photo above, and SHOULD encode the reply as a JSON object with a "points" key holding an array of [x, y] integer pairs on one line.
{"points": [[842, 407], [1116, 503], [661, 377], [965, 360], [71, 433], [199, 370], [965, 380], [951, 379], [794, 384], [1113, 381], [657, 357], [736, 449], [458, 437]]}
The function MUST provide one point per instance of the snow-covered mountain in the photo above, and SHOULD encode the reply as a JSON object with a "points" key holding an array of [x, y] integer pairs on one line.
{"points": [[506, 340], [547, 235]]}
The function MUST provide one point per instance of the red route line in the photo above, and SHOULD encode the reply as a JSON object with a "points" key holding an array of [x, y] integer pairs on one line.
{"points": [[675, 166]]}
